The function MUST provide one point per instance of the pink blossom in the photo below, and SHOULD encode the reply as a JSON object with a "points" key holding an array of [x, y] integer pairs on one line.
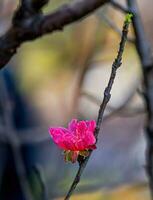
{"points": [[78, 137]]}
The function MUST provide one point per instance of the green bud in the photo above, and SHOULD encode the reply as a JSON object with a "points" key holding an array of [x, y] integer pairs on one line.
{"points": [[128, 18]]}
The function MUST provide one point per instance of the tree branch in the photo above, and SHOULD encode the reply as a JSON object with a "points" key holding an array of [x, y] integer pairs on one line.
{"points": [[144, 52], [29, 23], [107, 95], [119, 7], [114, 27]]}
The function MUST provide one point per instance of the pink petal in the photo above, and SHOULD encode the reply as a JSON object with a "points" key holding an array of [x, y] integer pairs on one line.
{"points": [[79, 135], [91, 125], [68, 145], [89, 139], [93, 147], [61, 137], [81, 127], [72, 125], [81, 145]]}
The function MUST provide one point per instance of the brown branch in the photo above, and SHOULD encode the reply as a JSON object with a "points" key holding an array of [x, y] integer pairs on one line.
{"points": [[120, 7], [144, 52], [107, 95], [123, 110], [29, 23], [114, 27]]}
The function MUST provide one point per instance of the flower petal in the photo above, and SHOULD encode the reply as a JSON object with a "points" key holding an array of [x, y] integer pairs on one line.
{"points": [[91, 125], [81, 128], [72, 125], [78, 137]]}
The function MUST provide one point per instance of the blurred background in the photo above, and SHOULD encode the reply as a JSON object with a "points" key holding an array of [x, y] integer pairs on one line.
{"points": [[62, 76]]}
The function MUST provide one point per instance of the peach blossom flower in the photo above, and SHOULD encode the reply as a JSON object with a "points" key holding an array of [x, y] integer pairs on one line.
{"points": [[77, 139]]}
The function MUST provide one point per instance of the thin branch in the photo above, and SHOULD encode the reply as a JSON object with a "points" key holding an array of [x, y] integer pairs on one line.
{"points": [[91, 97], [114, 27], [107, 95], [29, 23], [122, 110], [120, 7], [142, 44], [144, 52]]}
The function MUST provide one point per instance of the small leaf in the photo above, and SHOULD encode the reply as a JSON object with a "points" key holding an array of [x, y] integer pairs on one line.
{"points": [[70, 156], [128, 18], [84, 153], [67, 156]]}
